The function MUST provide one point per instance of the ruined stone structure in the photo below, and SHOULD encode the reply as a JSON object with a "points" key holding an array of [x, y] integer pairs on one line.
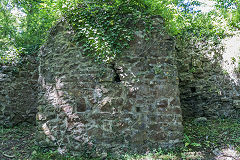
{"points": [[18, 92], [132, 103]]}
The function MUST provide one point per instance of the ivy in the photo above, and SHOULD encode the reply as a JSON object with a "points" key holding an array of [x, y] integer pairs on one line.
{"points": [[105, 29]]}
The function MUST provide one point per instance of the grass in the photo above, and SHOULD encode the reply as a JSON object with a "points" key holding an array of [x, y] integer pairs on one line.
{"points": [[201, 141]]}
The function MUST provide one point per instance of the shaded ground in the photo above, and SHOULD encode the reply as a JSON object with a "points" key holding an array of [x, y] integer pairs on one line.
{"points": [[17, 142], [215, 139], [207, 140]]}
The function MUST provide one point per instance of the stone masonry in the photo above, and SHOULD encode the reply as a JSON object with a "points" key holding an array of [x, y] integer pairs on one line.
{"points": [[18, 92], [132, 103]]}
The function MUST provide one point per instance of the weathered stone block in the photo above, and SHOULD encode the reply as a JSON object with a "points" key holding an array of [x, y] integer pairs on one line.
{"points": [[236, 104], [18, 93]]}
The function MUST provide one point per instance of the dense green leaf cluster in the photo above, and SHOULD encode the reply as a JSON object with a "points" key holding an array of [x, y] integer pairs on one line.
{"points": [[230, 9], [23, 27], [105, 28], [34, 26], [184, 18]]}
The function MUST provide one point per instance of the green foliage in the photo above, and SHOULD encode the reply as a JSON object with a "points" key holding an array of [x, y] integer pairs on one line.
{"points": [[230, 10], [213, 134], [7, 32], [40, 16], [237, 64], [105, 28], [188, 142], [38, 154], [23, 27]]}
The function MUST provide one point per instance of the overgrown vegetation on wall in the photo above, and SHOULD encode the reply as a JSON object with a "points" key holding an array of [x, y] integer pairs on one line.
{"points": [[104, 26]]}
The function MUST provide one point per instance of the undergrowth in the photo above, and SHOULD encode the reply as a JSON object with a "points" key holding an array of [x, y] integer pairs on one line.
{"points": [[200, 141], [214, 134]]}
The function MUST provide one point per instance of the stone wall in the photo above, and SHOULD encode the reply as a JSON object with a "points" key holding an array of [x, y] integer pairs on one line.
{"points": [[131, 104], [18, 92], [207, 89]]}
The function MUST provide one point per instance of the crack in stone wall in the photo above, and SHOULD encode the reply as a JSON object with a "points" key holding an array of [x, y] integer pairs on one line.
{"points": [[116, 70]]}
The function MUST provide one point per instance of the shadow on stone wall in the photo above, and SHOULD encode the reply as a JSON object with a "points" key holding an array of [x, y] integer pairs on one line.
{"points": [[209, 86], [18, 92]]}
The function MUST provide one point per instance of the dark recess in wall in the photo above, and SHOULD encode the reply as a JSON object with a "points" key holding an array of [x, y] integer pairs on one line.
{"points": [[116, 77], [193, 89]]}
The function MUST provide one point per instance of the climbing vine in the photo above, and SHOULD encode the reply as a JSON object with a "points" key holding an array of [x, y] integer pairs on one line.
{"points": [[104, 29]]}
